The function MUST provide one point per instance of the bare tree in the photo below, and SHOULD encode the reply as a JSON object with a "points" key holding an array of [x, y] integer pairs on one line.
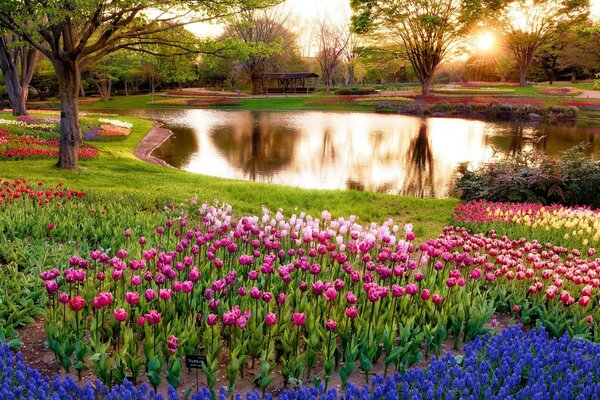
{"points": [[333, 41], [17, 62]]}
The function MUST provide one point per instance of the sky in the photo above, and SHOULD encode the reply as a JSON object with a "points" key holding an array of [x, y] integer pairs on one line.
{"points": [[303, 13]]}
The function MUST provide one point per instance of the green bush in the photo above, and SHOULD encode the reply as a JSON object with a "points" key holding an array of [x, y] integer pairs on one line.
{"points": [[571, 179], [355, 91]]}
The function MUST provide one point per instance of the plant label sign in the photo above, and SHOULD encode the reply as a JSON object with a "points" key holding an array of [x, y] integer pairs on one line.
{"points": [[195, 362]]}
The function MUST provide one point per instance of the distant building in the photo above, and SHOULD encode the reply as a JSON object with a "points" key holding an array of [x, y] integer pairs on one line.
{"points": [[290, 82]]}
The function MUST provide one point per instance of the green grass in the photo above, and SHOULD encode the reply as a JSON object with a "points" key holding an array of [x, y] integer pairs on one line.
{"points": [[118, 173]]}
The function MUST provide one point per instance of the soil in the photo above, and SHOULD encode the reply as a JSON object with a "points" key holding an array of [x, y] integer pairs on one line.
{"points": [[37, 355]]}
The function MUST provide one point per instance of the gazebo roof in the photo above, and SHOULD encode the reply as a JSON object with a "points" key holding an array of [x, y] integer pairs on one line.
{"points": [[290, 75]]}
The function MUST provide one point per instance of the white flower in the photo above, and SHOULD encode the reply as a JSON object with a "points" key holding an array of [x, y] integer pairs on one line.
{"points": [[116, 122]]}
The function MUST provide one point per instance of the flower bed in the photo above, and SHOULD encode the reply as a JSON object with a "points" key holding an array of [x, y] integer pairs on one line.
{"points": [[16, 147], [21, 189], [510, 365], [209, 102], [560, 91], [295, 292], [571, 226]]}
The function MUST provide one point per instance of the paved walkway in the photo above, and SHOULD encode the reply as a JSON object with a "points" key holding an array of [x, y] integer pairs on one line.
{"points": [[589, 94], [151, 141]]}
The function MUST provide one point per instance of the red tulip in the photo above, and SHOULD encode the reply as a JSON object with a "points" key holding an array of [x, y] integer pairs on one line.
{"points": [[77, 303]]}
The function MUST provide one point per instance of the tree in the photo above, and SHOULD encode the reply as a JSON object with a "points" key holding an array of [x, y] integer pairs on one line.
{"points": [[17, 62], [259, 37], [76, 33], [424, 31], [333, 43], [529, 24], [351, 57]]}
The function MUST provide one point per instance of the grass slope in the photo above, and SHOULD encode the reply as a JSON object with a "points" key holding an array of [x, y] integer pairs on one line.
{"points": [[117, 173]]}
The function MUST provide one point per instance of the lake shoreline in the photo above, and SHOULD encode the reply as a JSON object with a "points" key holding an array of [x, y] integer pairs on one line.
{"points": [[153, 139]]}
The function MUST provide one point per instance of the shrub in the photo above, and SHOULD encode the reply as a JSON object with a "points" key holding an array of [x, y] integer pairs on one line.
{"points": [[570, 179], [357, 91]]}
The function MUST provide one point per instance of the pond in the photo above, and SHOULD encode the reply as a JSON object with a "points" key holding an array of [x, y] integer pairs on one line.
{"points": [[348, 150]]}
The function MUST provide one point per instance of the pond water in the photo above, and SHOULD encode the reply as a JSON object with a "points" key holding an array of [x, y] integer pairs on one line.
{"points": [[348, 150]]}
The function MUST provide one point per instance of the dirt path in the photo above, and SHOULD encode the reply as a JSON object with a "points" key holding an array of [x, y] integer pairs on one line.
{"points": [[151, 141]]}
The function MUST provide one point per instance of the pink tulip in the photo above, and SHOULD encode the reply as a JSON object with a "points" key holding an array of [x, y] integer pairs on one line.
{"points": [[141, 321], [331, 325], [164, 294], [271, 319], [120, 315], [132, 298], [187, 287], [437, 299], [172, 344], [351, 312], [51, 287], [425, 294], [63, 298], [298, 319], [584, 301], [150, 295], [153, 317], [212, 319]]}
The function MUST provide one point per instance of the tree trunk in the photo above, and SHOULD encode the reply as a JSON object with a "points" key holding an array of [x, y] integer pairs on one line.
{"points": [[69, 81], [522, 77], [350, 74], [17, 87], [426, 85], [256, 86], [573, 75]]}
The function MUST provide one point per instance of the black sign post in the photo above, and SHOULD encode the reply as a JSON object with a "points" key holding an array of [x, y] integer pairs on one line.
{"points": [[195, 362]]}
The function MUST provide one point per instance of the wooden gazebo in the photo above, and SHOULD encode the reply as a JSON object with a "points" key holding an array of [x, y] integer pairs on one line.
{"points": [[290, 82]]}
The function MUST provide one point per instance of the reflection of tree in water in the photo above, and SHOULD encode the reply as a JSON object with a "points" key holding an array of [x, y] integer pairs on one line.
{"points": [[419, 181], [178, 149], [256, 146]]}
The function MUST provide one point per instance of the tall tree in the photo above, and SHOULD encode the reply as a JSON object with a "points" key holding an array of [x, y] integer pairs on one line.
{"points": [[333, 42], [260, 37], [17, 62], [527, 25], [76, 33], [425, 31]]}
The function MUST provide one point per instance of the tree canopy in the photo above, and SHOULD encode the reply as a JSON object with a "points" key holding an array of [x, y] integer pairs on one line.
{"points": [[424, 30]]}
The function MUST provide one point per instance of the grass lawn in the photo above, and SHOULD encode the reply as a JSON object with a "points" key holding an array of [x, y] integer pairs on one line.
{"points": [[118, 173]]}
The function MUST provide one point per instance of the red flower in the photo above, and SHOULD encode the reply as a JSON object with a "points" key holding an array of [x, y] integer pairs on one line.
{"points": [[77, 303]]}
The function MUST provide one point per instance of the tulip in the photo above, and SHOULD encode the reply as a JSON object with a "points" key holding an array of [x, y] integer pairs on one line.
{"points": [[150, 295], [351, 312], [331, 325], [63, 298], [120, 315], [141, 321], [77, 303], [132, 298], [212, 319], [298, 319], [271, 319], [51, 287], [584, 301], [172, 344], [425, 294], [164, 294], [437, 299]]}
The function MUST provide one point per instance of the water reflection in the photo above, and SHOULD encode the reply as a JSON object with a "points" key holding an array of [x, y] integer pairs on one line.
{"points": [[337, 150]]}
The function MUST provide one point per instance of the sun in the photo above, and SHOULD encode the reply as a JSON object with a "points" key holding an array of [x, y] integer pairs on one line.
{"points": [[485, 41]]}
